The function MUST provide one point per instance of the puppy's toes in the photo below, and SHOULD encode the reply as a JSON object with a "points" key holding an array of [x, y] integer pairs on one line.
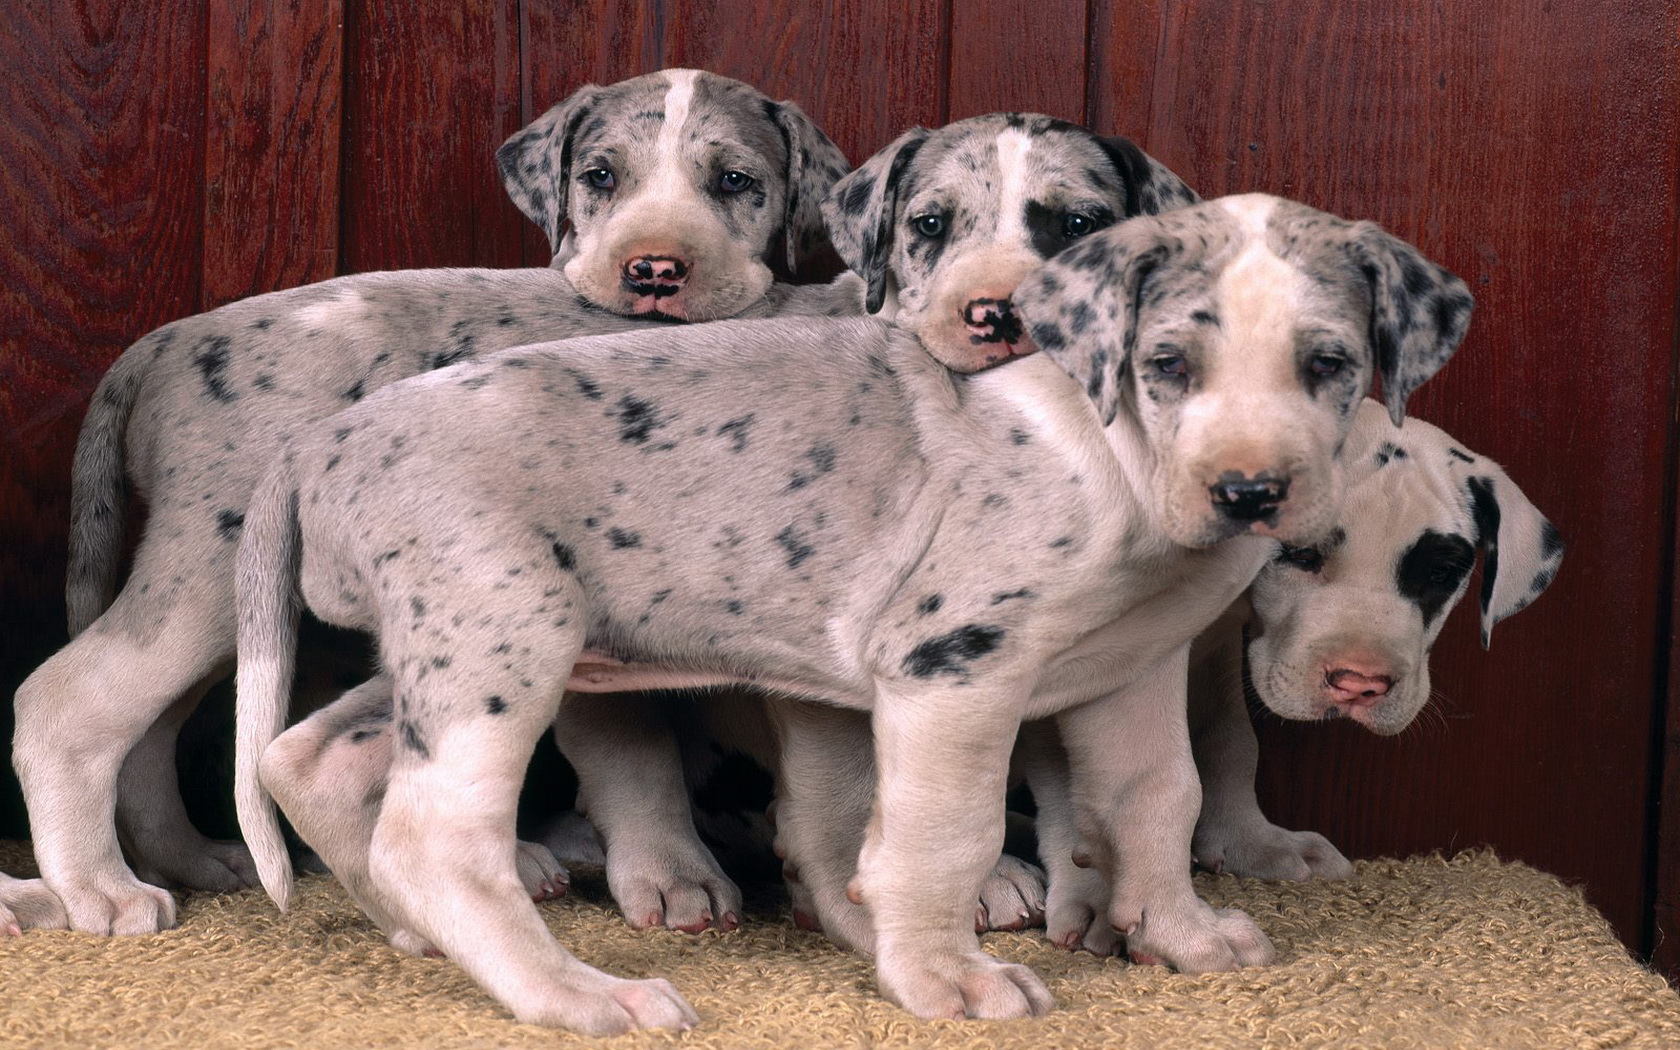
{"points": [[27, 904], [1012, 897], [543, 877], [655, 1004]]}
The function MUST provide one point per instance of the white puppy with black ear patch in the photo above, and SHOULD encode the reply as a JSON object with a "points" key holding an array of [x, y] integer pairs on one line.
{"points": [[1340, 629]]}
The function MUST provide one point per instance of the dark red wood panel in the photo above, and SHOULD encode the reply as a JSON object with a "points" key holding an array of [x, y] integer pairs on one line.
{"points": [[431, 89], [864, 70], [103, 132], [1532, 151], [1121, 65], [1665, 916], [271, 175], [1017, 55]]}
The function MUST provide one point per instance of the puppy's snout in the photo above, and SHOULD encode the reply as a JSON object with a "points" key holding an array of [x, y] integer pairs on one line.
{"points": [[1357, 688], [655, 275], [1242, 498], [992, 319]]}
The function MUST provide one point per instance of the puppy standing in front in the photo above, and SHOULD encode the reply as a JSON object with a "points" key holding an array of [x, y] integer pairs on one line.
{"points": [[1200, 372]]}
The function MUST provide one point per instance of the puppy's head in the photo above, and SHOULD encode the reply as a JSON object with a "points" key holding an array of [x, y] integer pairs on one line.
{"points": [[1343, 628], [669, 194], [943, 224], [1239, 336]]}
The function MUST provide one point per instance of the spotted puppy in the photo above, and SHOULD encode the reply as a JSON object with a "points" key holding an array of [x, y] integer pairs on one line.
{"points": [[952, 216], [1201, 370], [699, 177], [1338, 629]]}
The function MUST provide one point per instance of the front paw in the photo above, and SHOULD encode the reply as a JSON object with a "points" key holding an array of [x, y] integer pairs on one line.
{"points": [[1265, 851], [969, 984], [1012, 897], [1198, 939]]}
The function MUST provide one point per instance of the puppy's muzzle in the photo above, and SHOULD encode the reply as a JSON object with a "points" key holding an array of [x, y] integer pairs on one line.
{"points": [[1356, 688], [659, 276], [994, 320], [1239, 497]]}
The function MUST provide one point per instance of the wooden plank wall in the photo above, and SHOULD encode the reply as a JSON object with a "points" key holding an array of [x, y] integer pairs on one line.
{"points": [[165, 158]]}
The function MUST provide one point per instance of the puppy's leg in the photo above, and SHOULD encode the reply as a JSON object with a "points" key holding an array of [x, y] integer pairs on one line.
{"points": [[27, 904], [82, 711], [443, 859], [631, 787], [1232, 834], [1076, 910], [825, 791], [1134, 784], [943, 756], [163, 844]]}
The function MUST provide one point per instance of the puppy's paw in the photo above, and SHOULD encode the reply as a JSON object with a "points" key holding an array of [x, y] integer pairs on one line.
{"points": [[1076, 913], [1012, 897], [1265, 851], [1196, 939], [543, 877], [27, 904], [120, 906], [679, 889], [201, 864], [971, 985]]}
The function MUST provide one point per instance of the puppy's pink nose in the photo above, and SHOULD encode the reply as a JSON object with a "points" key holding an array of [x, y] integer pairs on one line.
{"points": [[655, 275], [1348, 686], [992, 319]]}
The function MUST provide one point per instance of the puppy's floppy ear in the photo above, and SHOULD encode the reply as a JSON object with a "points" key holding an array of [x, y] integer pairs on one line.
{"points": [[814, 162], [862, 208], [536, 162], [1151, 188], [1081, 307], [1419, 312], [1521, 550]]}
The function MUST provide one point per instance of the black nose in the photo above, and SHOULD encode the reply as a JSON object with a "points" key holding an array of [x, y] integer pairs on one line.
{"points": [[1243, 498]]}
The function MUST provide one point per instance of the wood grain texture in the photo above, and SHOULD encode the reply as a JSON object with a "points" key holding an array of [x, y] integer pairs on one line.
{"points": [[864, 70], [103, 135], [1530, 149], [271, 176], [431, 89], [1018, 55]]}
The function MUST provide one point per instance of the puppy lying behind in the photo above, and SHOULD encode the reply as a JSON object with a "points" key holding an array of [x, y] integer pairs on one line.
{"points": [[944, 224], [678, 188], [1338, 629], [953, 554]]}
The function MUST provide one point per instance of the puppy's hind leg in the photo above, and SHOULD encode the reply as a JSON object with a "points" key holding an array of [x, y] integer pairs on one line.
{"points": [[469, 710]]}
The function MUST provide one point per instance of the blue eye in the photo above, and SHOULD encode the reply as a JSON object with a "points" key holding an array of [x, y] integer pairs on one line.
{"points": [[1326, 365], [600, 178], [1171, 365], [734, 181], [929, 225]]}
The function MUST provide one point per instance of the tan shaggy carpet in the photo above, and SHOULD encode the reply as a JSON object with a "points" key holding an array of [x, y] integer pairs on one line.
{"points": [[1467, 952]]}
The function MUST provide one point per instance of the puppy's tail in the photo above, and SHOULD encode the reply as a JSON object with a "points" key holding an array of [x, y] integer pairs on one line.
{"points": [[266, 578], [98, 495]]}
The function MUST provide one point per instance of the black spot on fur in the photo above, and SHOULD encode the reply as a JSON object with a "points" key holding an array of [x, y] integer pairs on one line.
{"points": [[1484, 508], [332, 461], [564, 556], [796, 545], [1432, 569], [736, 430], [228, 524], [1551, 541], [636, 420], [952, 653], [263, 381], [441, 662], [1388, 451], [587, 386], [414, 741], [212, 362], [355, 393], [495, 705], [1049, 336], [930, 605], [822, 462], [1004, 596], [418, 607], [381, 559], [1460, 455], [623, 538], [262, 323], [1017, 436], [1205, 317], [734, 607]]}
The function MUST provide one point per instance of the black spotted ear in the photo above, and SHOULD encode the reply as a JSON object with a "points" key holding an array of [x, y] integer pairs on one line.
{"points": [[862, 207], [536, 162], [1521, 550], [1419, 312], [814, 164], [1081, 307], [1151, 188]]}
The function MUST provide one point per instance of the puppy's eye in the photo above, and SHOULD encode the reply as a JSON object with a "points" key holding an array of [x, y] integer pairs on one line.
{"points": [[1170, 364], [1326, 365], [734, 181], [1076, 225], [1446, 576], [600, 178], [929, 225], [1307, 559]]}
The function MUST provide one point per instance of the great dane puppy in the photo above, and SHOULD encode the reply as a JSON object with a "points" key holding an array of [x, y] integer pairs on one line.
{"points": [[952, 216], [953, 554], [1338, 629], [665, 196]]}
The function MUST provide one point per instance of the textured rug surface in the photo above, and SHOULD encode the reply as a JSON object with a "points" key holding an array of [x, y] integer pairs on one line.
{"points": [[1467, 952]]}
